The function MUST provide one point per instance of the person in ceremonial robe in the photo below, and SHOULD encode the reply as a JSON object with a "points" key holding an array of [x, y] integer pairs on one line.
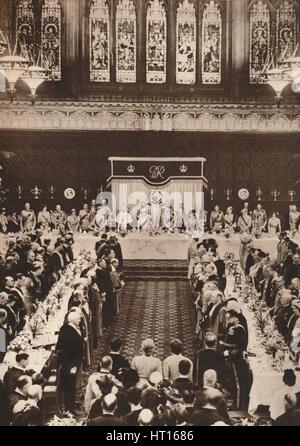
{"points": [[244, 222], [28, 219], [3, 221], [103, 216], [213, 320], [73, 221], [144, 217], [294, 216], [84, 218], [44, 219], [216, 219], [192, 255], [124, 220], [229, 219], [59, 219], [259, 219], [235, 346], [274, 224], [282, 249], [93, 211]]}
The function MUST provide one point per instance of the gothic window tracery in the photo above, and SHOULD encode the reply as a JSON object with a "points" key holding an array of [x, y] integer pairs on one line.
{"points": [[186, 43], [25, 29], [156, 42], [51, 38], [260, 41], [211, 43], [286, 29], [99, 31], [126, 41]]}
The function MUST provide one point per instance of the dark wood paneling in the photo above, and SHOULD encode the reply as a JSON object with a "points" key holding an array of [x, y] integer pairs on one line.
{"points": [[80, 160]]}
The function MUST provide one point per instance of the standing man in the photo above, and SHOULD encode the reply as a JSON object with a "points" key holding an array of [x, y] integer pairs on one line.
{"points": [[27, 219], [70, 352], [259, 219]]}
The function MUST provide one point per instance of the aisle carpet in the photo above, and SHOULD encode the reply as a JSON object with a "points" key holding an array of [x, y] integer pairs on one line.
{"points": [[158, 309]]}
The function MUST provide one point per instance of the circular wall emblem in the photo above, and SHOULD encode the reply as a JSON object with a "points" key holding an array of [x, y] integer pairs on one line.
{"points": [[243, 194], [69, 193]]}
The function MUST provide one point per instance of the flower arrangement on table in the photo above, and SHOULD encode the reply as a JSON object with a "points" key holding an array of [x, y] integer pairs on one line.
{"points": [[68, 420], [36, 324], [23, 342]]}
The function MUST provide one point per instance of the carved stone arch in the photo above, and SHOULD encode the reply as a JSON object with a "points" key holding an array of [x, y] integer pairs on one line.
{"points": [[206, 121]]}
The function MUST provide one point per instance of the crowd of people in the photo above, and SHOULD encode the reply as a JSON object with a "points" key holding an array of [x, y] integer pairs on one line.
{"points": [[98, 216], [145, 390]]}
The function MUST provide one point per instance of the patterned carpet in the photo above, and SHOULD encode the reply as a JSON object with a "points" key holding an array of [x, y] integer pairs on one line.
{"points": [[158, 309]]}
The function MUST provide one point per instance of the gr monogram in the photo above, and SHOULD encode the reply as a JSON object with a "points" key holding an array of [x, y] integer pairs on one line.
{"points": [[157, 172]]}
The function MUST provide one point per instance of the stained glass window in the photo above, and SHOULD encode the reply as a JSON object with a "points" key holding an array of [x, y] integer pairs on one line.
{"points": [[259, 41], [211, 44], [99, 41], [286, 30], [51, 38], [156, 42], [25, 29], [186, 43], [126, 41]]}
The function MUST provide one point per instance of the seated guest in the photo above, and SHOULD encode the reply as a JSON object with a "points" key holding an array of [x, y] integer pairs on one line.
{"points": [[118, 361], [12, 375], [183, 381], [291, 416], [209, 358], [170, 364], [20, 392], [208, 414], [146, 363], [108, 418]]}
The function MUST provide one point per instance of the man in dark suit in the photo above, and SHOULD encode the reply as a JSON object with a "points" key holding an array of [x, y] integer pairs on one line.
{"points": [[208, 359], [119, 362], [108, 418], [70, 353], [12, 375], [116, 247], [183, 383]]}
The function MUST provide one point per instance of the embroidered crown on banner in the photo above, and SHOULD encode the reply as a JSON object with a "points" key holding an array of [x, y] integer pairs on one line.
{"points": [[183, 168]]}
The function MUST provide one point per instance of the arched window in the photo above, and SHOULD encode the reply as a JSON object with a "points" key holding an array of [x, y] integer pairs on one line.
{"points": [[286, 29], [156, 42], [126, 41], [212, 43], [259, 41], [99, 41], [25, 29], [186, 43], [51, 38]]}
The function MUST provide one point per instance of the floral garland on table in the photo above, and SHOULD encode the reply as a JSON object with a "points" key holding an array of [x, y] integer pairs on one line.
{"points": [[269, 337], [36, 324], [69, 420]]}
